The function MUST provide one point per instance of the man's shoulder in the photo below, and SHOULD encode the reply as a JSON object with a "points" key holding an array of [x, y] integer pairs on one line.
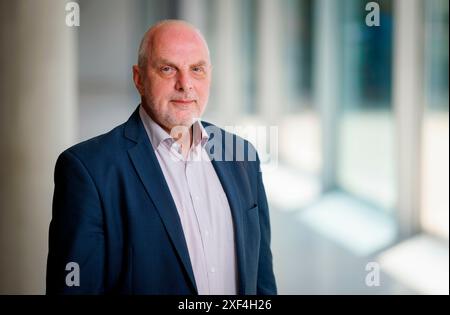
{"points": [[100, 148]]}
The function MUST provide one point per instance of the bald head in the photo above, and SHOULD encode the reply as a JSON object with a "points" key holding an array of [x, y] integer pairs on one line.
{"points": [[164, 31]]}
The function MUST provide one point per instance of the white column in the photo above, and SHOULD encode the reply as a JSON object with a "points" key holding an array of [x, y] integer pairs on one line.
{"points": [[408, 105], [327, 84], [37, 121]]}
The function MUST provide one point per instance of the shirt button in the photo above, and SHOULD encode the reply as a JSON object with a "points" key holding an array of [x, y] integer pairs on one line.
{"points": [[213, 269], [207, 233]]}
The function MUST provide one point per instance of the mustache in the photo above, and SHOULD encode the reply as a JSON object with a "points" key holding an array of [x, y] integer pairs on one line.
{"points": [[184, 97]]}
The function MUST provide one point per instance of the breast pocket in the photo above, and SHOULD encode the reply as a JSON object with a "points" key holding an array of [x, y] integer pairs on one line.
{"points": [[253, 208], [253, 216]]}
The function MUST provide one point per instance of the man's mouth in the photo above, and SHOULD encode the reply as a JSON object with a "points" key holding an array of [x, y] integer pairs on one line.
{"points": [[184, 102]]}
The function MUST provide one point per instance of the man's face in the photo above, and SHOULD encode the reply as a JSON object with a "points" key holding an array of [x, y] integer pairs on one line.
{"points": [[177, 77]]}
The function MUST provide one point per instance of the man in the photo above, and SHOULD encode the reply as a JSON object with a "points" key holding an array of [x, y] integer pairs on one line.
{"points": [[142, 210]]}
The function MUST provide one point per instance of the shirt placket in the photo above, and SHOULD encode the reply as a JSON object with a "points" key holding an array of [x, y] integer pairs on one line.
{"points": [[193, 170]]}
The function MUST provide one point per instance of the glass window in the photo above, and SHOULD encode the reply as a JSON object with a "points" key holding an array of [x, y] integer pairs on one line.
{"points": [[301, 121], [365, 155]]}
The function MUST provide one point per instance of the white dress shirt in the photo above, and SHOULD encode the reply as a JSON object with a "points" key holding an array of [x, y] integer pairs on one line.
{"points": [[202, 206]]}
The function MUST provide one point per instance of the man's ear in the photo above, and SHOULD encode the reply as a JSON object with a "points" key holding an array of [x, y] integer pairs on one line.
{"points": [[138, 79]]}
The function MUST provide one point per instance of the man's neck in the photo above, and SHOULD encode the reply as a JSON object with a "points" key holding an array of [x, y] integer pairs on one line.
{"points": [[185, 142]]}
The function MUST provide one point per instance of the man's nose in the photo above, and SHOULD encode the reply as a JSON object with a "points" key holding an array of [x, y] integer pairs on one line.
{"points": [[184, 82]]}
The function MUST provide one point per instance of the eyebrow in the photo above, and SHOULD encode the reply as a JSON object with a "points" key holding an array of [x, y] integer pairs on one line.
{"points": [[200, 63]]}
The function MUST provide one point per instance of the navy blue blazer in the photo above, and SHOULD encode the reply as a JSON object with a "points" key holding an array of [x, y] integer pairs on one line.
{"points": [[114, 216]]}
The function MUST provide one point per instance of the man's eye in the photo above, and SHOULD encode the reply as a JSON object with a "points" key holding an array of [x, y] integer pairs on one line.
{"points": [[198, 69], [166, 69]]}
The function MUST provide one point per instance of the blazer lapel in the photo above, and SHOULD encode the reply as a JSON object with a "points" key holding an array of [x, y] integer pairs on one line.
{"points": [[146, 164]]}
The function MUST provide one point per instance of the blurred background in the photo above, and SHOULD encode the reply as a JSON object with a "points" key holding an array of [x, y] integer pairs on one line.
{"points": [[361, 182]]}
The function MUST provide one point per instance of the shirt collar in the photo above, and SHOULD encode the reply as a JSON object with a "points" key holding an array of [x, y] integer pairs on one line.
{"points": [[158, 135]]}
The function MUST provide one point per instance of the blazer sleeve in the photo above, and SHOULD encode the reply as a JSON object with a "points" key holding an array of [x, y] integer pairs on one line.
{"points": [[76, 232], [266, 284]]}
